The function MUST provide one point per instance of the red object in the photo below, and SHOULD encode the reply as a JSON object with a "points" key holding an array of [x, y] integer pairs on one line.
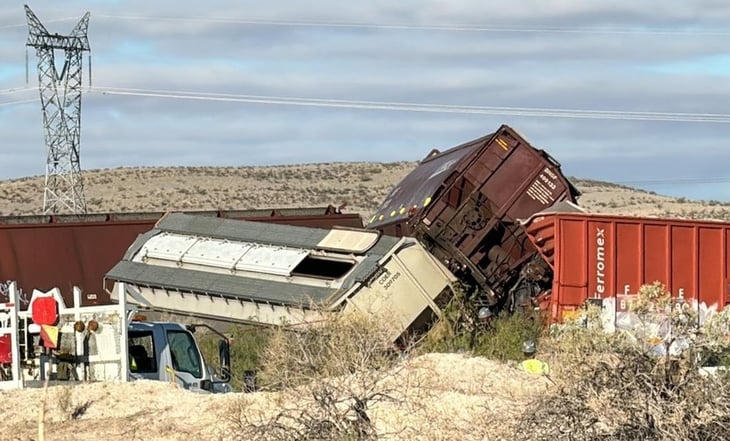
{"points": [[6, 351], [62, 251], [45, 311], [600, 256]]}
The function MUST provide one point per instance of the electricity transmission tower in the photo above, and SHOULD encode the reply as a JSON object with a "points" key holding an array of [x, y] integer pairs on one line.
{"points": [[61, 102]]}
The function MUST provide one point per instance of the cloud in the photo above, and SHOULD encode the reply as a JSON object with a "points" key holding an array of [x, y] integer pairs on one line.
{"points": [[566, 54]]}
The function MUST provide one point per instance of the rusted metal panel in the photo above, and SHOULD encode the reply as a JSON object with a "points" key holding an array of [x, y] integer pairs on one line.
{"points": [[43, 252], [610, 257], [470, 202]]}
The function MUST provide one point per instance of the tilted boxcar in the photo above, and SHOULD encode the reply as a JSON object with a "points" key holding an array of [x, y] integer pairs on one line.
{"points": [[464, 204], [608, 258]]}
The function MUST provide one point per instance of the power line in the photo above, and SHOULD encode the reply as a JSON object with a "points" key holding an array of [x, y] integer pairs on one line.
{"points": [[12, 103], [423, 27], [405, 26], [419, 107], [23, 25], [720, 118], [15, 90]]}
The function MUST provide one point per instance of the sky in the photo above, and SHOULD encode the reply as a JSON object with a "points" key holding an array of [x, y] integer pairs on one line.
{"points": [[633, 92]]}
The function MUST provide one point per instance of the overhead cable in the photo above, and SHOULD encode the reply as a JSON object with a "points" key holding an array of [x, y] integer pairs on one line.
{"points": [[487, 28], [15, 90], [418, 107], [12, 103], [24, 24], [419, 27]]}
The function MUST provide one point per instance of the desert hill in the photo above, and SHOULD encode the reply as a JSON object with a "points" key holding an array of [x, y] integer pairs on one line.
{"points": [[362, 186]]}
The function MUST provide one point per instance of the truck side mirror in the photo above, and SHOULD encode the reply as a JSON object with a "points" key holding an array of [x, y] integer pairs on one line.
{"points": [[206, 385], [224, 355]]}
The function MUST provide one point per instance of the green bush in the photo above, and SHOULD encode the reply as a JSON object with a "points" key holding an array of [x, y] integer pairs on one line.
{"points": [[247, 345], [460, 331]]}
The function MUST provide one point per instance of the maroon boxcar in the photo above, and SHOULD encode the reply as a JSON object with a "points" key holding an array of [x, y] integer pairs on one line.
{"points": [[610, 257], [43, 252], [464, 204]]}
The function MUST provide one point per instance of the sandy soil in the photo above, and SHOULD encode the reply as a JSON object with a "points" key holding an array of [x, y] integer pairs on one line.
{"points": [[436, 397]]}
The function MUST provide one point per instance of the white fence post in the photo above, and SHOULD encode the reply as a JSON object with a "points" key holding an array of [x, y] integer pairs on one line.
{"points": [[122, 299]]}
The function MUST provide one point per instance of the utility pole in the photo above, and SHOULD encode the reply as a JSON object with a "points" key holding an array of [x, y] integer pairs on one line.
{"points": [[61, 103]]}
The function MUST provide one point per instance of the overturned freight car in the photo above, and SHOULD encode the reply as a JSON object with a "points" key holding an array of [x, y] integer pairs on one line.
{"points": [[267, 274], [66, 251], [464, 205]]}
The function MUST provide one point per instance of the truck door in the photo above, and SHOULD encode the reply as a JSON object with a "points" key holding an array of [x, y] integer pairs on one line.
{"points": [[185, 359], [143, 360]]}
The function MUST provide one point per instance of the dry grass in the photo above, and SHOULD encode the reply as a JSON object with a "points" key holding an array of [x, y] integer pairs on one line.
{"points": [[436, 397], [362, 186]]}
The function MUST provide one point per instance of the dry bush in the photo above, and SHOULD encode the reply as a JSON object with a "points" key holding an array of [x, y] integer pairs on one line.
{"points": [[67, 405], [331, 373], [639, 383]]}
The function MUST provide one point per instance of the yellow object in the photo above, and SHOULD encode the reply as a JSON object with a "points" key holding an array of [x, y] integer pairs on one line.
{"points": [[534, 366], [49, 334]]}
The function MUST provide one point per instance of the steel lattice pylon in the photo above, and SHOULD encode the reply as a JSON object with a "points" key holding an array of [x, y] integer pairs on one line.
{"points": [[61, 103]]}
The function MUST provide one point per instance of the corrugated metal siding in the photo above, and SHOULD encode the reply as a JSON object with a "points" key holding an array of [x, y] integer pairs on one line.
{"points": [[602, 256], [253, 233], [219, 284], [243, 231]]}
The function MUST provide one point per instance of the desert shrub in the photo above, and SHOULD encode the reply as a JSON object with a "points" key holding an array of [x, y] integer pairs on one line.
{"points": [[68, 405], [639, 383], [503, 340], [332, 373], [460, 331], [247, 345]]}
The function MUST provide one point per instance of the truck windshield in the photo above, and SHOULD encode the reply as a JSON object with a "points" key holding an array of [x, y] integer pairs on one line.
{"points": [[185, 353]]}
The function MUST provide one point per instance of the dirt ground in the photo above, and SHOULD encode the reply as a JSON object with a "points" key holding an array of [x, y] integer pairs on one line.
{"points": [[434, 397]]}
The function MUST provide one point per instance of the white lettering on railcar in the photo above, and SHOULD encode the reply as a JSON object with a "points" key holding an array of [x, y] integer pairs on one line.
{"points": [[544, 187], [600, 262], [388, 278]]}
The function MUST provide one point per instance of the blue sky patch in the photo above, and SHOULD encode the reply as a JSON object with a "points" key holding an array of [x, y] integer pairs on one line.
{"points": [[718, 65]]}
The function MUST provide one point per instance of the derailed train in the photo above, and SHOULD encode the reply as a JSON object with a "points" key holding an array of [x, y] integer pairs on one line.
{"points": [[500, 214], [465, 205], [479, 209]]}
